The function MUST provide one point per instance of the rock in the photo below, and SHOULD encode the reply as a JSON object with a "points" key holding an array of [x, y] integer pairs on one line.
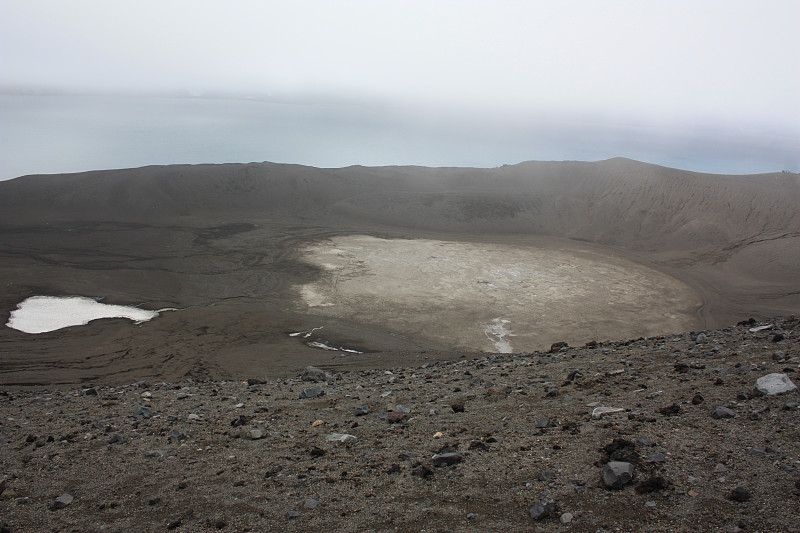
{"points": [[312, 373], [144, 384], [458, 407], [567, 518], [141, 412], [701, 338], [317, 423], [403, 409], [542, 509], [395, 417], [193, 416], [312, 392], [652, 484], [791, 405], [698, 399], [657, 458], [341, 438], [670, 410], [438, 435], [721, 411], [616, 474], [116, 439], [291, 515], [242, 420], [361, 411], [447, 459], [778, 337], [61, 502], [558, 346], [310, 503], [253, 434], [177, 436], [600, 412], [174, 524], [757, 452], [255, 381], [491, 391], [772, 384], [543, 423], [739, 494], [552, 393]]}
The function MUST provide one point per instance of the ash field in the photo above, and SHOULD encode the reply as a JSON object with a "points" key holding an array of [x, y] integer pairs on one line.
{"points": [[275, 267], [394, 349]]}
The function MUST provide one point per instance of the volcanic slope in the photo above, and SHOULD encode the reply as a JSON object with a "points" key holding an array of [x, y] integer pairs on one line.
{"points": [[224, 243]]}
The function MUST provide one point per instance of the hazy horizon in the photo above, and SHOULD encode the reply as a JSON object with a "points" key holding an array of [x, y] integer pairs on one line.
{"points": [[693, 83]]}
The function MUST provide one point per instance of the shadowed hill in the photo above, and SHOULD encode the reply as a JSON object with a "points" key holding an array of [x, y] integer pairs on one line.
{"points": [[619, 202]]}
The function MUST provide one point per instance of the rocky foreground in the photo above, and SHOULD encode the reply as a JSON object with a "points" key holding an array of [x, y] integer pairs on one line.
{"points": [[659, 434]]}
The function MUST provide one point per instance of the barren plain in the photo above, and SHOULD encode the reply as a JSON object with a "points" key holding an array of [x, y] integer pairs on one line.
{"points": [[429, 297]]}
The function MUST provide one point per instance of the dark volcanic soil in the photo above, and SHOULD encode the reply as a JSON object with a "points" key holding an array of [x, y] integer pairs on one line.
{"points": [[438, 439], [223, 244], [253, 456]]}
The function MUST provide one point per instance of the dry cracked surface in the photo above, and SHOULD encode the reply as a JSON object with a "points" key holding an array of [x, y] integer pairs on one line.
{"points": [[495, 443]]}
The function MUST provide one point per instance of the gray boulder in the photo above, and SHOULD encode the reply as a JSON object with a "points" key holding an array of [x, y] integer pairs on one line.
{"points": [[616, 474], [721, 411], [772, 384], [312, 392], [312, 373]]}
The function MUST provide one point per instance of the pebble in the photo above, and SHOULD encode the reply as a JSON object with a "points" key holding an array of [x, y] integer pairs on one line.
{"points": [[739, 494], [254, 434], [566, 518], [61, 502], [341, 437], [541, 509], [438, 435], [317, 423], [141, 412], [395, 416], [721, 411], [447, 459], [361, 411], [600, 412], [193, 416]]}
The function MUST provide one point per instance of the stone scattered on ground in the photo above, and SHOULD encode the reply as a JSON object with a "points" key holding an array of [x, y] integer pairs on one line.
{"points": [[477, 445]]}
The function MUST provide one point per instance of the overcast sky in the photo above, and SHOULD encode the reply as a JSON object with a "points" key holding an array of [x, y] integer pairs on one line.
{"points": [[700, 60]]}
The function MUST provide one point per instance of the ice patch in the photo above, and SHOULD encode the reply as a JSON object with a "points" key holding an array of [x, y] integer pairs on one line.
{"points": [[305, 334], [40, 314], [497, 333]]}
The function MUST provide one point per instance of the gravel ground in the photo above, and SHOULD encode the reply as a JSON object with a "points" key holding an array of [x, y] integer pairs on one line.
{"points": [[469, 445]]}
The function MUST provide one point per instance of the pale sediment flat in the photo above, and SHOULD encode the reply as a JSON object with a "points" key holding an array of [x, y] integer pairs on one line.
{"points": [[565, 251]]}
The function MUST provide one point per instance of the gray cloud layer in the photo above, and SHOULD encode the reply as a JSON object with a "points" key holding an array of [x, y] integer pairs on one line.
{"points": [[720, 60]]}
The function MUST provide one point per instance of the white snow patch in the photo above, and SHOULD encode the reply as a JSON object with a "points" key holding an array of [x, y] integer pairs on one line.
{"points": [[497, 333], [40, 314]]}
